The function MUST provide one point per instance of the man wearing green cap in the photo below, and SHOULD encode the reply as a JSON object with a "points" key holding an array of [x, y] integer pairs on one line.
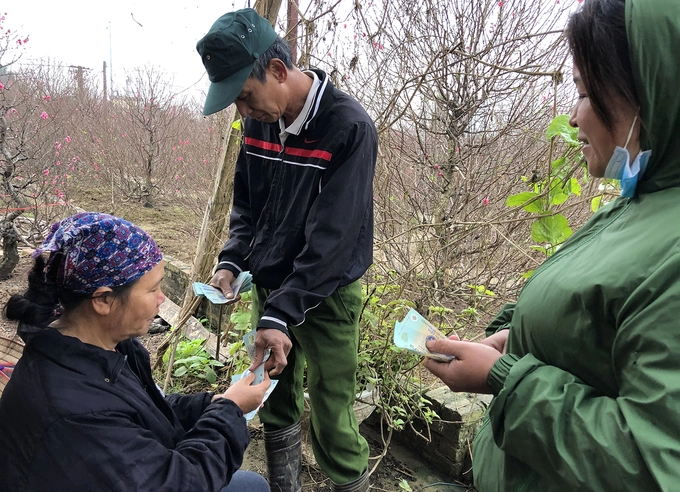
{"points": [[302, 224]]}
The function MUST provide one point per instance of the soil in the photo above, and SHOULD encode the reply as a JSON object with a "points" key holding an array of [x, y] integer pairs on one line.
{"points": [[16, 284], [398, 463]]}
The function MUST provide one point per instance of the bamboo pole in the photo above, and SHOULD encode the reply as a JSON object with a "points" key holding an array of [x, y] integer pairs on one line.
{"points": [[216, 213]]}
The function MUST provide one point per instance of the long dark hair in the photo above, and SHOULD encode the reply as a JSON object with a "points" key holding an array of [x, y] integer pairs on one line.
{"points": [[46, 299], [599, 44]]}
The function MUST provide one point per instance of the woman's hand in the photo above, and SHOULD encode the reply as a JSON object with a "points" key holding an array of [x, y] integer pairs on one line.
{"points": [[247, 397], [470, 368], [498, 340]]}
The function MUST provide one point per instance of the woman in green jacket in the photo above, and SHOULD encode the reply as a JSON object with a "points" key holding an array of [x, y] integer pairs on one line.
{"points": [[585, 367]]}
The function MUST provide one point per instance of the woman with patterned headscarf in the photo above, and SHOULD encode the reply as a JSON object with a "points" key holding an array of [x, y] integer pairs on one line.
{"points": [[82, 412]]}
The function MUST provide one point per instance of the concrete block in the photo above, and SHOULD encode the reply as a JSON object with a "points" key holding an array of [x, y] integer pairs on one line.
{"points": [[446, 444]]}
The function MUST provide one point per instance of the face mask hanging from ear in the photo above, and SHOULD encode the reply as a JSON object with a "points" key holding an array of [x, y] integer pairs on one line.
{"points": [[619, 166]]}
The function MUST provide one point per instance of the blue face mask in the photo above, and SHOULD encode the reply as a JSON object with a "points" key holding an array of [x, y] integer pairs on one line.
{"points": [[619, 167]]}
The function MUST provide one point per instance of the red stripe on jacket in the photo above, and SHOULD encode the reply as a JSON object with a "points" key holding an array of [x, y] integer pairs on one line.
{"points": [[261, 144], [321, 154]]}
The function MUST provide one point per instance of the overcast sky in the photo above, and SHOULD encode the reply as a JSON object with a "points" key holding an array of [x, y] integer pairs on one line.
{"points": [[160, 33]]}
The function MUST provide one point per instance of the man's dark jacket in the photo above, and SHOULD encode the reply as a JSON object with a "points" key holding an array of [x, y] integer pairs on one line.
{"points": [[75, 417], [302, 220]]}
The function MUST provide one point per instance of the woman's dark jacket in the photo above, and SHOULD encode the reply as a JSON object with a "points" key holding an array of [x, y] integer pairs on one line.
{"points": [[75, 417]]}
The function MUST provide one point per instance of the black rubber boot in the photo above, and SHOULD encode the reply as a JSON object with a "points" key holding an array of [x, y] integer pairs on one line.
{"points": [[284, 458], [359, 485]]}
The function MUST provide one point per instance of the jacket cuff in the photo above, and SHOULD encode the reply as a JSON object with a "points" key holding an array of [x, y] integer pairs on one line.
{"points": [[221, 400], [274, 319], [500, 371], [228, 265]]}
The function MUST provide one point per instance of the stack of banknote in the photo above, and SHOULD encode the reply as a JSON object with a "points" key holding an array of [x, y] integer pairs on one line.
{"points": [[414, 331], [242, 283], [249, 344]]}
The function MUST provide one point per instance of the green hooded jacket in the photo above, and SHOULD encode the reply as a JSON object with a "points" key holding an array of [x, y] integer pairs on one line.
{"points": [[588, 395]]}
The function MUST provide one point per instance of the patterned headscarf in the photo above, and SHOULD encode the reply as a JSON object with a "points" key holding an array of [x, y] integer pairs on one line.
{"points": [[99, 250]]}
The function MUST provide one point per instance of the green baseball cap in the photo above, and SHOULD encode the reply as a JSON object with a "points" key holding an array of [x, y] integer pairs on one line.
{"points": [[229, 51]]}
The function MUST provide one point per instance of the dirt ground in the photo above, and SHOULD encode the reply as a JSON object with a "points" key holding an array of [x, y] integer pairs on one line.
{"points": [[398, 463], [13, 285]]}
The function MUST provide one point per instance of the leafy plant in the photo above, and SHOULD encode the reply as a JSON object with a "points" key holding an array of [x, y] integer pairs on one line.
{"points": [[550, 228], [240, 325], [191, 359], [393, 372]]}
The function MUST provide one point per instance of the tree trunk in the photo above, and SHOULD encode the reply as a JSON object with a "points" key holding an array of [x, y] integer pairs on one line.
{"points": [[148, 198], [10, 249], [147, 194], [10, 238]]}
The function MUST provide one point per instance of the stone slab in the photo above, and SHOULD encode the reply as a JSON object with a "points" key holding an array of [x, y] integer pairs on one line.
{"points": [[193, 329]]}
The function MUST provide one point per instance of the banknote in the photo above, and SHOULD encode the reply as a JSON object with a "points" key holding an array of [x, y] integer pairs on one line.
{"points": [[414, 331], [249, 343], [211, 293], [274, 382], [242, 283]]}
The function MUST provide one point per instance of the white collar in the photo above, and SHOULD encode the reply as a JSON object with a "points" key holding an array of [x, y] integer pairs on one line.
{"points": [[296, 126]]}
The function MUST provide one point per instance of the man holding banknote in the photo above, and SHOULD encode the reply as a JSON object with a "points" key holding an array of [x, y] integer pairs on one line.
{"points": [[302, 224]]}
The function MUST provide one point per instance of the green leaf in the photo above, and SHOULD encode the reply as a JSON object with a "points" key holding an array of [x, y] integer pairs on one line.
{"points": [[557, 164], [240, 317], [189, 360], [574, 186], [404, 485], [541, 249], [235, 347], [558, 195], [554, 229], [596, 203], [472, 312], [559, 126], [210, 376], [528, 274], [520, 199], [180, 371]]}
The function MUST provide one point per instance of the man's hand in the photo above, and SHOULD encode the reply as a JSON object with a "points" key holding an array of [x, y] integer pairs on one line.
{"points": [[280, 346], [222, 280], [470, 368]]}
